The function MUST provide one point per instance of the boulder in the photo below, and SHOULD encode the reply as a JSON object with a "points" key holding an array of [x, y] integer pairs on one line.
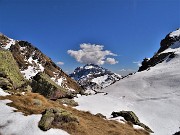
{"points": [[67, 101], [42, 83], [56, 117], [100, 115], [130, 116], [9, 70]]}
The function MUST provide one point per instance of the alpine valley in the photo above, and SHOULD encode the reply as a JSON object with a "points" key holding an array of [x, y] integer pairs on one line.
{"points": [[38, 98]]}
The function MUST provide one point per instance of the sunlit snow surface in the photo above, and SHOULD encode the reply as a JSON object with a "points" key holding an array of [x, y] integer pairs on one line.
{"points": [[175, 33], [154, 95], [33, 69], [2, 93], [15, 123]]}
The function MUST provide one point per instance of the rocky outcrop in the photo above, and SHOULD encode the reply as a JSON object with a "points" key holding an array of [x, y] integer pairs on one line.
{"points": [[169, 40], [130, 116], [56, 117], [41, 83], [160, 56], [10, 76]]}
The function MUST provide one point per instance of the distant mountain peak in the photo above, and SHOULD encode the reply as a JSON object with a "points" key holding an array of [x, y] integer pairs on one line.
{"points": [[94, 77]]}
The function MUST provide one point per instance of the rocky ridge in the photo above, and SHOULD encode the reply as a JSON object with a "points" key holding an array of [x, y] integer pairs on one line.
{"points": [[31, 60], [171, 41]]}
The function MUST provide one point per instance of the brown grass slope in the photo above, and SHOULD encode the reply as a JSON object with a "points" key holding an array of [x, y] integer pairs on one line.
{"points": [[33, 103]]}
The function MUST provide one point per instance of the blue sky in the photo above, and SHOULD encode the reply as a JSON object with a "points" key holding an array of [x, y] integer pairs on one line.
{"points": [[132, 29]]}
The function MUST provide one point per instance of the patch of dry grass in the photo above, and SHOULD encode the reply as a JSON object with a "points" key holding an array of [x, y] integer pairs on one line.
{"points": [[27, 103], [88, 124]]}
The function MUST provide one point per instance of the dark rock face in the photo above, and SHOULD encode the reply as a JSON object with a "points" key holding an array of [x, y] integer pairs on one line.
{"points": [[177, 133], [41, 83], [159, 56], [154, 60], [168, 41], [56, 117], [130, 116], [85, 75]]}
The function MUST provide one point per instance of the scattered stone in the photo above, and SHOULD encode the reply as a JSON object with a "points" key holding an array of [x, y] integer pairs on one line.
{"points": [[56, 117], [130, 116], [100, 115], [67, 101], [37, 102]]}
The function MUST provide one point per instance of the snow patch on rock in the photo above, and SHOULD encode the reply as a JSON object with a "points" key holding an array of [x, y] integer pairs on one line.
{"points": [[175, 33], [10, 42]]}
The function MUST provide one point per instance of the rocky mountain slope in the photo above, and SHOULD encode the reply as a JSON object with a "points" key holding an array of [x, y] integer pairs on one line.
{"points": [[171, 41], [31, 61], [94, 77], [153, 94]]}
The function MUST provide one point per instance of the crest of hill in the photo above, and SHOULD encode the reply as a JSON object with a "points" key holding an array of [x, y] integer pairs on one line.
{"points": [[31, 61], [170, 43]]}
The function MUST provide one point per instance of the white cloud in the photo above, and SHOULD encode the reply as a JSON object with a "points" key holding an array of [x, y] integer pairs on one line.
{"points": [[111, 61], [60, 63], [91, 53], [138, 63]]}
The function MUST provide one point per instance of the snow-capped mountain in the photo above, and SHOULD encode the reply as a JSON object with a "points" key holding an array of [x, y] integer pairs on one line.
{"points": [[153, 94], [31, 61], [94, 77]]}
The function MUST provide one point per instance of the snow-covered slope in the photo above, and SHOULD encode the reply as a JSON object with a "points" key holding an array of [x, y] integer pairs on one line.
{"points": [[153, 94], [94, 77], [31, 61]]}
